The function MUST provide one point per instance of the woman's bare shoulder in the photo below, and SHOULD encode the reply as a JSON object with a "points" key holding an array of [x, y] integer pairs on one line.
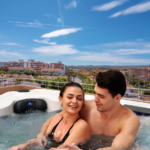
{"points": [[82, 127], [52, 119], [56, 117], [82, 122]]}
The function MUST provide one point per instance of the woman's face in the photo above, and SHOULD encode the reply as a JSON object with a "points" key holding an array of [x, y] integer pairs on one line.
{"points": [[72, 99]]}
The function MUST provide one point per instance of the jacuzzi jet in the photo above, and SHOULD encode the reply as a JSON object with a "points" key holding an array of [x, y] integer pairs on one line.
{"points": [[29, 103]]}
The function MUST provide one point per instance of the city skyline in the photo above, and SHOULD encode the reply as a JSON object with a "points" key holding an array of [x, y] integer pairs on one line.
{"points": [[76, 32]]}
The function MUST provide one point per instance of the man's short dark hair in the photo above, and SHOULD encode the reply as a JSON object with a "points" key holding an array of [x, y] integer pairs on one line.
{"points": [[113, 80]]}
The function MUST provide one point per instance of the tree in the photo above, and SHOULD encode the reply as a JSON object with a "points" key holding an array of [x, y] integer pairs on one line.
{"points": [[141, 83], [127, 76], [38, 73], [2, 72], [133, 76], [14, 72], [51, 74], [132, 82], [4, 69], [29, 72], [147, 83]]}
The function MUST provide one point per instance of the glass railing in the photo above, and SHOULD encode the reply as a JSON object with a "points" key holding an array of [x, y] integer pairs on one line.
{"points": [[131, 93]]}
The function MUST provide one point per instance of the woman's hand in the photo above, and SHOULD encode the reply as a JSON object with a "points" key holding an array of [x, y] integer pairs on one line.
{"points": [[41, 139], [18, 147]]}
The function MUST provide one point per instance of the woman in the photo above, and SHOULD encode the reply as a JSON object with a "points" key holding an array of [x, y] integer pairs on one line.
{"points": [[65, 127]]}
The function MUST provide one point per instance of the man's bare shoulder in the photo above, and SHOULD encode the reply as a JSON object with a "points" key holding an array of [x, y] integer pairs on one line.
{"points": [[89, 104], [87, 107], [128, 117]]}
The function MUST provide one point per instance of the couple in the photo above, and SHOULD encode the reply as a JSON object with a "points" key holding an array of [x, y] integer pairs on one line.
{"points": [[103, 115]]}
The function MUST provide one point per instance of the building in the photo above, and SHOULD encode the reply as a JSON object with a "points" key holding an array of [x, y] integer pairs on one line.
{"points": [[26, 64], [58, 65], [37, 66], [96, 70], [29, 62], [47, 65], [53, 71], [13, 64], [142, 73], [148, 73], [1, 64]]}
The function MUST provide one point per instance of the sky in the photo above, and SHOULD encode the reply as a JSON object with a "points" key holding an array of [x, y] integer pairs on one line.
{"points": [[76, 32]]}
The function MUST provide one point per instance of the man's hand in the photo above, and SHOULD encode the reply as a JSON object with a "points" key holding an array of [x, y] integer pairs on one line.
{"points": [[67, 147], [72, 147]]}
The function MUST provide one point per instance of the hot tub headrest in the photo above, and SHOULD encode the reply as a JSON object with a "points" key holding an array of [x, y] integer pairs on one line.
{"points": [[30, 104], [23, 90]]}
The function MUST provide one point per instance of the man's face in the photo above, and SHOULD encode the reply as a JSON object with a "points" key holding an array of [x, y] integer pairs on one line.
{"points": [[103, 99]]}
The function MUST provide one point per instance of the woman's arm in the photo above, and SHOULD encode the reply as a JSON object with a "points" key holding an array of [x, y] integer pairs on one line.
{"points": [[40, 140], [79, 133], [28, 143]]}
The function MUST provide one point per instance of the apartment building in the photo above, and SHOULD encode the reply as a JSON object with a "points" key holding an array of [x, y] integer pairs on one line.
{"points": [[142, 73], [58, 65], [13, 64], [29, 62], [35, 65], [148, 73]]}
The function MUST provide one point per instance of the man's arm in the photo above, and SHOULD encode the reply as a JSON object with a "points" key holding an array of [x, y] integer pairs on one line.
{"points": [[127, 134]]}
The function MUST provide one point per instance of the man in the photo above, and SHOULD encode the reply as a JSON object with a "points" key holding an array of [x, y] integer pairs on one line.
{"points": [[105, 115]]}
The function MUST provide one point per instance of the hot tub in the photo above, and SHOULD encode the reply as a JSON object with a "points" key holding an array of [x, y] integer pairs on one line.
{"points": [[18, 128]]}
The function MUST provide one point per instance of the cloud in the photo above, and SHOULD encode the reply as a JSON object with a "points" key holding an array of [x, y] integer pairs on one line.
{"points": [[60, 32], [49, 15], [147, 45], [107, 57], [132, 51], [120, 44], [45, 41], [5, 53], [136, 44], [73, 4], [139, 8], [7, 43], [117, 52], [64, 49], [109, 5], [35, 24]]}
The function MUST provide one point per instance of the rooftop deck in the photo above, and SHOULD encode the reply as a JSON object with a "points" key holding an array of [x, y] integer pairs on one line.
{"points": [[52, 95]]}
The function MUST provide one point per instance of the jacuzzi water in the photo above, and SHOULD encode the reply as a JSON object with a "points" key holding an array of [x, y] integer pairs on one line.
{"points": [[17, 129]]}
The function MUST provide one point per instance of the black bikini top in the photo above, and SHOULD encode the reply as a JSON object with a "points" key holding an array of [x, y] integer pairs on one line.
{"points": [[51, 135]]}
